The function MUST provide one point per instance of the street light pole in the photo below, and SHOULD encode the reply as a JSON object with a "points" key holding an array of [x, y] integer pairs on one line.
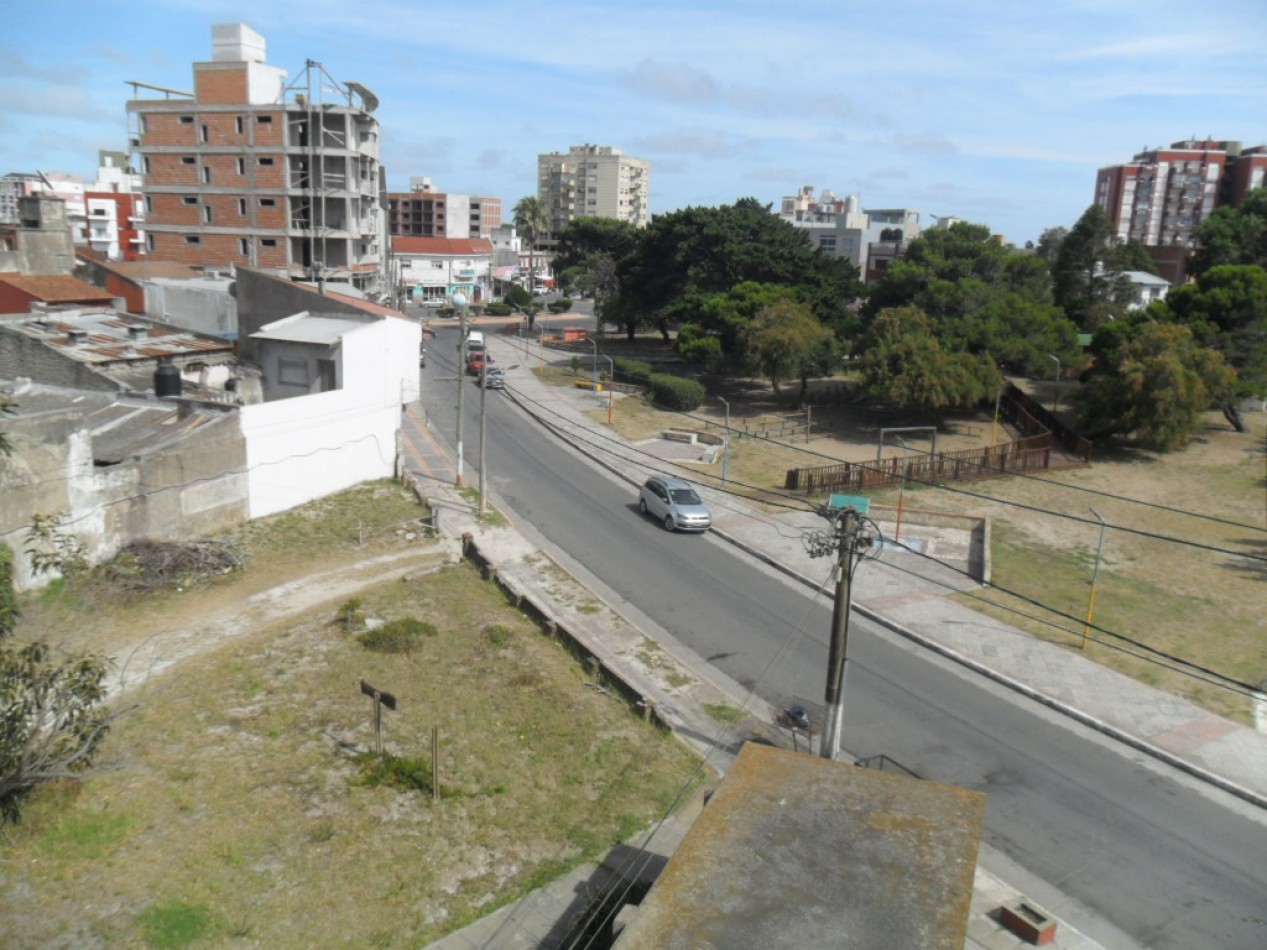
{"points": [[1095, 574], [483, 430], [594, 371], [1056, 409], [611, 378], [725, 455], [459, 301]]}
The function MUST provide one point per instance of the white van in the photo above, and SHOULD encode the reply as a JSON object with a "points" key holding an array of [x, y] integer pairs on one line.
{"points": [[474, 340]]}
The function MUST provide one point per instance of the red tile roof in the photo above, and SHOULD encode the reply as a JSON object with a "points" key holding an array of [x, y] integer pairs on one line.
{"points": [[458, 247]]}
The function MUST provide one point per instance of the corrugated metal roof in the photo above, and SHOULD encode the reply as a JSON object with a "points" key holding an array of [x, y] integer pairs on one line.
{"points": [[104, 337], [57, 288]]}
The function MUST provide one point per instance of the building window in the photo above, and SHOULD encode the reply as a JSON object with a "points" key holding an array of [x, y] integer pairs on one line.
{"points": [[149, 242], [325, 375], [186, 120], [268, 202], [241, 166], [189, 199], [292, 372], [203, 133], [268, 242], [244, 247], [242, 207], [193, 239], [145, 164], [149, 205], [206, 176], [188, 160], [206, 214], [264, 119], [265, 162], [238, 125]]}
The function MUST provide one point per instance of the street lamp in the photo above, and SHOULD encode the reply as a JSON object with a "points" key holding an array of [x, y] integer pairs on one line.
{"points": [[459, 301], [725, 455], [1056, 409], [1095, 573]]}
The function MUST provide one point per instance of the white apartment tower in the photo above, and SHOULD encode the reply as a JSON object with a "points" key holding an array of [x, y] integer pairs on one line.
{"points": [[595, 181]]}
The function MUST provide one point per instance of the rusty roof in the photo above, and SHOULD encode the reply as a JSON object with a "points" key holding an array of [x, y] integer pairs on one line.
{"points": [[104, 337], [56, 288], [797, 851]]}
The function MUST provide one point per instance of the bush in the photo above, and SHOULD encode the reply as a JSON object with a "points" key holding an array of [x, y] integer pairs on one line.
{"points": [[637, 370], [676, 393], [558, 306], [565, 302], [499, 310], [397, 636]]}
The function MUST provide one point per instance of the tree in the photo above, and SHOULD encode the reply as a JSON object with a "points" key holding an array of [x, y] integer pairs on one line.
{"points": [[705, 251], [786, 341], [583, 238], [904, 363], [531, 221], [1226, 309], [1086, 279], [1049, 244], [725, 318], [1152, 381], [1233, 235], [51, 718]]}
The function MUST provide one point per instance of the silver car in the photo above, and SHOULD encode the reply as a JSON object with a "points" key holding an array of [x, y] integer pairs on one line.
{"points": [[674, 502]]}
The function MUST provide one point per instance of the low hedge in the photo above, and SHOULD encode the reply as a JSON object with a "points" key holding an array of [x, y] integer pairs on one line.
{"points": [[676, 393]]}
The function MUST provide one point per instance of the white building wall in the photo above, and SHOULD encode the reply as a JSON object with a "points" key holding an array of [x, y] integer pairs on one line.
{"points": [[310, 446]]}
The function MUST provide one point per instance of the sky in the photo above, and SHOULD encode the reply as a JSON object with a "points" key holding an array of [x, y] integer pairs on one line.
{"points": [[991, 111]]}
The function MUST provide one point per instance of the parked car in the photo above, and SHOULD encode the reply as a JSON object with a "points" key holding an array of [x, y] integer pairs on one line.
{"points": [[476, 362], [494, 378], [674, 502]]}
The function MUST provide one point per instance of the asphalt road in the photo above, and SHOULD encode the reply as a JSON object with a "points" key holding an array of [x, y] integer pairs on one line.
{"points": [[1169, 862]]}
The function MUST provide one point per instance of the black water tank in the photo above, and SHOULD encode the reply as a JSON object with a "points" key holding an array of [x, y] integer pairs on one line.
{"points": [[167, 380]]}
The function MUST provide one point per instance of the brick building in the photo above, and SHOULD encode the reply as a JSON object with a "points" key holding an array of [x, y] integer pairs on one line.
{"points": [[249, 170], [424, 212], [1161, 197]]}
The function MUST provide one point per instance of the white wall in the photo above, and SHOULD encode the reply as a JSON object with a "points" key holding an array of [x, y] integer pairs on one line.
{"points": [[310, 446]]}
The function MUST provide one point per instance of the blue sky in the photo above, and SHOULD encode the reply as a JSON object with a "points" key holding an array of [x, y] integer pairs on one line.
{"points": [[997, 112]]}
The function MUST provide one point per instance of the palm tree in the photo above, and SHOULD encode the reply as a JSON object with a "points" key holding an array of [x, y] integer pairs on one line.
{"points": [[531, 221]]}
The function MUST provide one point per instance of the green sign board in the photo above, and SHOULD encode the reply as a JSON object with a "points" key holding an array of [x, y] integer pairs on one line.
{"points": [[857, 502]]}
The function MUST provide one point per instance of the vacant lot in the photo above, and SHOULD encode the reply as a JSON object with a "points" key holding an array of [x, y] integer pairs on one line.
{"points": [[237, 808], [1183, 570]]}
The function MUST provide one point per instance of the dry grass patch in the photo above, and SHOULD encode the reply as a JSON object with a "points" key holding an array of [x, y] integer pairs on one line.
{"points": [[237, 806]]}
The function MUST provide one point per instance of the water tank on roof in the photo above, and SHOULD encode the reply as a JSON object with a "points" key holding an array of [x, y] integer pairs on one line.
{"points": [[167, 380], [851, 204]]}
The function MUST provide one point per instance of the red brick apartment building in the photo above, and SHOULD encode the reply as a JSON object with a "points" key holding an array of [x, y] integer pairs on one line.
{"points": [[1161, 196], [250, 170]]}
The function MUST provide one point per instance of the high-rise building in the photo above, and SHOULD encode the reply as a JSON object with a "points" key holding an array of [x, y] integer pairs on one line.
{"points": [[251, 170], [424, 212], [595, 181], [870, 240], [1161, 197]]}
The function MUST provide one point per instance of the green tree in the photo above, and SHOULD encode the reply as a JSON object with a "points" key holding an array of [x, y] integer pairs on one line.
{"points": [[1153, 381], [1086, 279], [786, 341], [1227, 310], [51, 716], [583, 238], [702, 251], [1233, 235], [725, 317], [904, 363], [532, 219]]}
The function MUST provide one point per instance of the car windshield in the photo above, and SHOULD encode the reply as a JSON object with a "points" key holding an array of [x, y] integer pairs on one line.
{"points": [[684, 496]]}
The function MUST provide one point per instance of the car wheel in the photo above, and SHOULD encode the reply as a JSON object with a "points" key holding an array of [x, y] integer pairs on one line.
{"points": [[668, 522], [642, 505]]}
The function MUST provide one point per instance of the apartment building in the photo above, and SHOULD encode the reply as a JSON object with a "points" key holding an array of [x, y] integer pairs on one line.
{"points": [[1161, 197], [868, 239], [424, 212], [596, 181], [249, 169]]}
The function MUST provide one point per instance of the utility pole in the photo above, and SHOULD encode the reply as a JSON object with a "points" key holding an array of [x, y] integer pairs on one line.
{"points": [[459, 301], [483, 429], [852, 540]]}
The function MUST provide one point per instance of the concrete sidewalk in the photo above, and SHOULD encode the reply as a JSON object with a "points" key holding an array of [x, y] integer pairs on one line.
{"points": [[907, 593]]}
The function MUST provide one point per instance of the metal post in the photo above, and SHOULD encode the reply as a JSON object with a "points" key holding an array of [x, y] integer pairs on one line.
{"points": [[994, 431], [1056, 409], [725, 456], [1095, 574], [838, 657], [594, 371], [611, 378], [901, 492], [459, 301], [483, 429]]}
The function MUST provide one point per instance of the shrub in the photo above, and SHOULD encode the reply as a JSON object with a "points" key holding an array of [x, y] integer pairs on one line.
{"points": [[349, 614], [676, 393], [397, 636], [499, 310], [637, 370]]}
